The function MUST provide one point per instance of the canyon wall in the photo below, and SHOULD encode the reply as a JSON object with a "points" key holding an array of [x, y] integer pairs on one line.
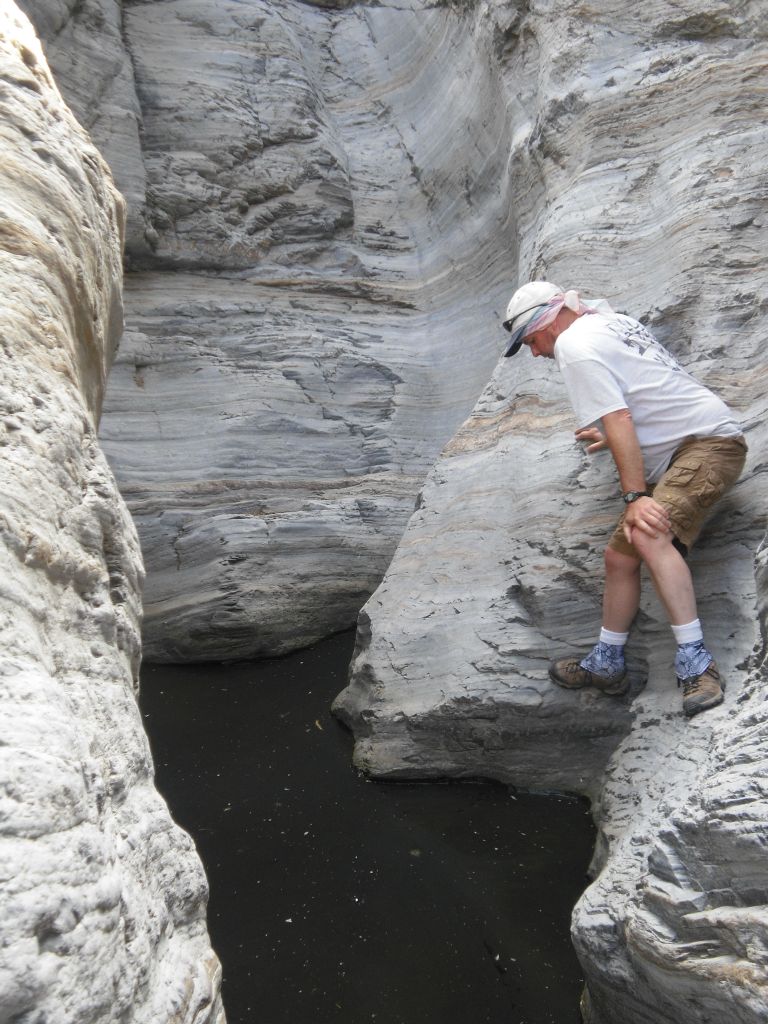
{"points": [[319, 227], [102, 898], [637, 174], [330, 204]]}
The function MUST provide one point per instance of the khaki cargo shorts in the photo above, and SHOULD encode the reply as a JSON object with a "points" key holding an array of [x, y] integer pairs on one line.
{"points": [[701, 471]]}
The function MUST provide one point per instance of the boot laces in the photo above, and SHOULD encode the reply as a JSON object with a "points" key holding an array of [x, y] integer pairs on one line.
{"points": [[691, 685]]}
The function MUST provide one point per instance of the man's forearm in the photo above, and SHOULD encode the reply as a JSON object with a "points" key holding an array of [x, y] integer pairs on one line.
{"points": [[625, 449]]}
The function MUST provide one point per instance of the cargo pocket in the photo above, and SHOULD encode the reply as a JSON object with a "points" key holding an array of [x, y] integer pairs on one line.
{"points": [[680, 475]]}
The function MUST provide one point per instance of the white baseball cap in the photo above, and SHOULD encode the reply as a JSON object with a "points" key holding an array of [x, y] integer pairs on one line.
{"points": [[522, 308]]}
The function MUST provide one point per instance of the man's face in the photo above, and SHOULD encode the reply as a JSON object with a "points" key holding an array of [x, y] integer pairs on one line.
{"points": [[542, 343]]}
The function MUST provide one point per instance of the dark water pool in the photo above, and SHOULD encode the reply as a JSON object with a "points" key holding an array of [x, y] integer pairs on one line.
{"points": [[334, 898]]}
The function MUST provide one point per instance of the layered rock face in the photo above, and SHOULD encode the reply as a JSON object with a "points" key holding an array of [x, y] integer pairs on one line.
{"points": [[636, 174], [319, 227], [331, 204], [102, 898]]}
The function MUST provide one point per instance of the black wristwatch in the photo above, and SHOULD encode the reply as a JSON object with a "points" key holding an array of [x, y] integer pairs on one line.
{"points": [[631, 496]]}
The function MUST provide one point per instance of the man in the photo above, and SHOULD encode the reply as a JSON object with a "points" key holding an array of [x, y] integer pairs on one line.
{"points": [[677, 449]]}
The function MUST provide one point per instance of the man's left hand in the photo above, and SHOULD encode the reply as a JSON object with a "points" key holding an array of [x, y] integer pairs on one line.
{"points": [[647, 515]]}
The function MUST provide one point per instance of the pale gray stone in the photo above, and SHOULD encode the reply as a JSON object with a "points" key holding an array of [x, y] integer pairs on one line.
{"points": [[336, 201], [304, 338], [102, 897], [636, 162], [85, 48]]}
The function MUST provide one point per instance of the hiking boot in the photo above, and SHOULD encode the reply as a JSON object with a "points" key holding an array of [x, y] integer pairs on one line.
{"points": [[568, 672], [702, 692]]}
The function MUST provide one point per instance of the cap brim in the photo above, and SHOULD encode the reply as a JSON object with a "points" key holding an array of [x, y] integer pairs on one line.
{"points": [[515, 342], [516, 338]]}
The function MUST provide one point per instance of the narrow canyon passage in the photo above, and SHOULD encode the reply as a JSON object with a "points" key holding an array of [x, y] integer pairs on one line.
{"points": [[334, 898]]}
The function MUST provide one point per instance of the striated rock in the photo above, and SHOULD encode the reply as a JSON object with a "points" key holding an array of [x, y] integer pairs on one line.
{"points": [[635, 165], [332, 203], [303, 339], [85, 49], [683, 889], [102, 896]]}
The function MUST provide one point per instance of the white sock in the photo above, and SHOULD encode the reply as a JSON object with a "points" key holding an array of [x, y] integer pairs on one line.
{"points": [[615, 639], [688, 633]]}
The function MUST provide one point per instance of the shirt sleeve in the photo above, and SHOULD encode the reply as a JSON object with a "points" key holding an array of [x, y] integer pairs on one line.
{"points": [[593, 389]]}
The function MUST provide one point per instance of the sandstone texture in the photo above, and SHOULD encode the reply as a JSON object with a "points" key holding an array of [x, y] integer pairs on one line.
{"points": [[637, 174], [319, 222], [102, 897]]}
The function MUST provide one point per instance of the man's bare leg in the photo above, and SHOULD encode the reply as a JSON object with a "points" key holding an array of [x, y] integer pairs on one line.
{"points": [[604, 666], [621, 597], [694, 665], [670, 574]]}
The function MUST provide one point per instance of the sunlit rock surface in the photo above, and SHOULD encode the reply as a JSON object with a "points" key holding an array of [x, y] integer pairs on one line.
{"points": [[102, 897], [636, 173], [323, 192], [332, 203], [84, 44]]}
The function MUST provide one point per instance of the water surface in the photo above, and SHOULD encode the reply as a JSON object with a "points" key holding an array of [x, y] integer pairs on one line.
{"points": [[338, 899]]}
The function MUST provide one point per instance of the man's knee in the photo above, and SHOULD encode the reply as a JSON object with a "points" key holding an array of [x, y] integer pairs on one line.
{"points": [[650, 548], [618, 563]]}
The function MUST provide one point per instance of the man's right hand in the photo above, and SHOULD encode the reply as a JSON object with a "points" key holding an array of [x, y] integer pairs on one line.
{"points": [[647, 515], [594, 438]]}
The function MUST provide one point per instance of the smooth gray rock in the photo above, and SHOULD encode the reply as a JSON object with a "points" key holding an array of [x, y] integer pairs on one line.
{"points": [[102, 897], [304, 337], [635, 163]]}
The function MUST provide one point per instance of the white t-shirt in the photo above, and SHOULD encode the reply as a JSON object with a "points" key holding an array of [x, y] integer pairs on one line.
{"points": [[612, 362]]}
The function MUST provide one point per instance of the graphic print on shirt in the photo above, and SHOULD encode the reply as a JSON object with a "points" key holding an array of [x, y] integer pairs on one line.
{"points": [[640, 339]]}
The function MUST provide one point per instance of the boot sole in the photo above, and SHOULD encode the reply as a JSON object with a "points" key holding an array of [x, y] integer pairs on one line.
{"points": [[698, 708], [690, 712]]}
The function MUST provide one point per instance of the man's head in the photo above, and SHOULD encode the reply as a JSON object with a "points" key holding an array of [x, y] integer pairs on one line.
{"points": [[536, 316]]}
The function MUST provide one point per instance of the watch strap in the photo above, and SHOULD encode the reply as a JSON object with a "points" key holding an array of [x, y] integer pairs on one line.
{"points": [[630, 496]]}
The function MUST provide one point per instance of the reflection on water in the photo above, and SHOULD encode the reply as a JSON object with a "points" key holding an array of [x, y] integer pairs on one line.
{"points": [[334, 898]]}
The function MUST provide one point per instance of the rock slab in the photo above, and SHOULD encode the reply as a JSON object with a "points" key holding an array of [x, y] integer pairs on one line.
{"points": [[102, 898], [499, 568]]}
